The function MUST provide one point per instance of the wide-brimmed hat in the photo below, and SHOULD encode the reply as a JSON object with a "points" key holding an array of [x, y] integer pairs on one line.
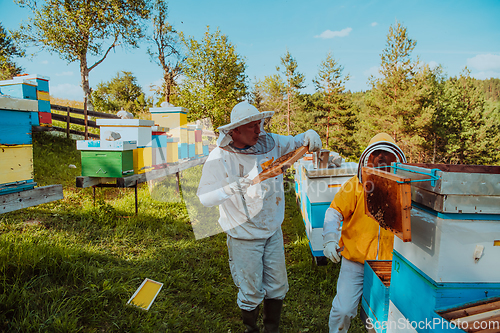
{"points": [[244, 113], [381, 141]]}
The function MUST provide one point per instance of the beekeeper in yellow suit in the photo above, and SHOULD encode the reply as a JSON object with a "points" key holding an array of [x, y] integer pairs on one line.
{"points": [[251, 215], [351, 235]]}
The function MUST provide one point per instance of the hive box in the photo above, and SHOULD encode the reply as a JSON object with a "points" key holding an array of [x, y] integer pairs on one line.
{"points": [[169, 116], [105, 145], [191, 150], [197, 135], [159, 145], [172, 150], [45, 118], [317, 190], [418, 296], [16, 164], [102, 158], [198, 147], [191, 134], [143, 159], [41, 81], [181, 133], [44, 106], [183, 150], [138, 130], [106, 163], [205, 148], [17, 117], [443, 245], [375, 299], [21, 89]]}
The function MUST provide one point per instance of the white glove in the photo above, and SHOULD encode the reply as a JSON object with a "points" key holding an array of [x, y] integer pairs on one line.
{"points": [[330, 251], [312, 139], [234, 184]]}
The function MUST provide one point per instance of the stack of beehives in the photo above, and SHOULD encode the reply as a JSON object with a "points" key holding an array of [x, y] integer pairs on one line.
{"points": [[19, 112]]}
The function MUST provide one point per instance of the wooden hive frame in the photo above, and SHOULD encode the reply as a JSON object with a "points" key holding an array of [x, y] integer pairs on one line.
{"points": [[277, 167], [479, 317], [388, 201]]}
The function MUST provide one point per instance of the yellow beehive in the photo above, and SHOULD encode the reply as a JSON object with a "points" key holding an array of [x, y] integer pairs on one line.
{"points": [[191, 133], [172, 150], [181, 133], [16, 163], [169, 116], [198, 148], [143, 160], [42, 95]]}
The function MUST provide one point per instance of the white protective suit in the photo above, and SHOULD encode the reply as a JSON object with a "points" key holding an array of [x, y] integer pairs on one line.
{"points": [[252, 223]]}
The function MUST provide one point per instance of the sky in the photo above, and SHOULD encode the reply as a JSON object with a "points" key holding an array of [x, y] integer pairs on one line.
{"points": [[452, 33]]}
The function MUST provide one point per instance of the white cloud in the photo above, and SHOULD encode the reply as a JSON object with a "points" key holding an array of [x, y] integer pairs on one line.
{"points": [[432, 64], [65, 74], [374, 24], [44, 62], [486, 75], [485, 62], [66, 91], [332, 34]]}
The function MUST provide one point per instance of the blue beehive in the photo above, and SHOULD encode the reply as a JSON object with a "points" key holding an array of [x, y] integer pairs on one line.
{"points": [[18, 115], [417, 296], [183, 150], [191, 150], [21, 89], [375, 299]]}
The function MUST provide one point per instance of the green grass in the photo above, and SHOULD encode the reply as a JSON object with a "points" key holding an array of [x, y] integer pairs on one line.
{"points": [[71, 265]]}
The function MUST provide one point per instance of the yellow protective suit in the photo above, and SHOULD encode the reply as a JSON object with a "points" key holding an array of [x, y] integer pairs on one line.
{"points": [[362, 236]]}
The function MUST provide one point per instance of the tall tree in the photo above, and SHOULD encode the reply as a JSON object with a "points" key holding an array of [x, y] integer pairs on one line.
{"points": [[165, 52], [398, 97], [335, 106], [214, 78], [122, 92], [294, 82], [8, 50], [471, 133], [272, 93], [80, 29]]}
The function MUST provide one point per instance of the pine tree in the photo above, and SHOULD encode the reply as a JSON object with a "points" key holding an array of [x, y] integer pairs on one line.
{"points": [[335, 108], [399, 102]]}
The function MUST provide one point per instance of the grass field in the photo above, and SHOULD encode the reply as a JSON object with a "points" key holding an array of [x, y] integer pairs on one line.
{"points": [[71, 265]]}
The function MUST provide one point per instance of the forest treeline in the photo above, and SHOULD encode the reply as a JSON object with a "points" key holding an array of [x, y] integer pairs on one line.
{"points": [[433, 117]]}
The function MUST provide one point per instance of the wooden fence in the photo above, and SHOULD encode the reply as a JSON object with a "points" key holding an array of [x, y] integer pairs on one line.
{"points": [[78, 121]]}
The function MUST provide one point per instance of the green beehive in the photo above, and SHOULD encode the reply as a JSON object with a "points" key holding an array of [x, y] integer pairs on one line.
{"points": [[103, 163]]}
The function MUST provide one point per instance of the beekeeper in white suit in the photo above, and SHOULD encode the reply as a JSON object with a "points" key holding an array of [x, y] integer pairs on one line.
{"points": [[251, 215]]}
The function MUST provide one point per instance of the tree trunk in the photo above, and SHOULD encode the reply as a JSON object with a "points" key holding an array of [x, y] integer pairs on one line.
{"points": [[84, 73], [288, 107], [327, 130]]}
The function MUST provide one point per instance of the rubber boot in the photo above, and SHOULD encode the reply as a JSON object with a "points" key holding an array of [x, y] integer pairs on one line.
{"points": [[272, 313], [250, 320]]}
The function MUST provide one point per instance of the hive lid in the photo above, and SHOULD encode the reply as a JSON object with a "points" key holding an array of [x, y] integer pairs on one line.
{"points": [[18, 104], [168, 108], [345, 169], [17, 81], [124, 122]]}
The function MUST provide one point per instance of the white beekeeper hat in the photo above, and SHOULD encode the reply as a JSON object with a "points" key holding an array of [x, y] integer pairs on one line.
{"points": [[242, 113]]}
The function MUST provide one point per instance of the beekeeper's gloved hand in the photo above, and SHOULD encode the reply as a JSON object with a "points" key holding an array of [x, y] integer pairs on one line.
{"points": [[235, 184], [331, 251], [312, 139]]}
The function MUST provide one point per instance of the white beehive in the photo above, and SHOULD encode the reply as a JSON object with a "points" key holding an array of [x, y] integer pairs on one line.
{"points": [[129, 129]]}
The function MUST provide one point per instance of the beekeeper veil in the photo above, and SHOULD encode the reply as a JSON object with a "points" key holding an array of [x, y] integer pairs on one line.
{"points": [[381, 141]]}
